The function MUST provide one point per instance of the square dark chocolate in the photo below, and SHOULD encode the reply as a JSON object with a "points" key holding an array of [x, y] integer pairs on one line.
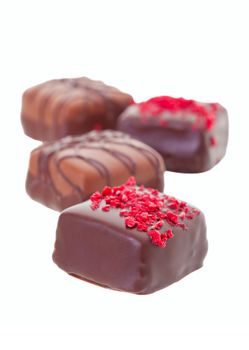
{"points": [[190, 136], [131, 239]]}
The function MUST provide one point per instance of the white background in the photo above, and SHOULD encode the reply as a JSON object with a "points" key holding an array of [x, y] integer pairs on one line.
{"points": [[195, 49]]}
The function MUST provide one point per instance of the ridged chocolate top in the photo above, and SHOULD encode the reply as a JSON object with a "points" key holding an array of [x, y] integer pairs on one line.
{"points": [[63, 107], [83, 164]]}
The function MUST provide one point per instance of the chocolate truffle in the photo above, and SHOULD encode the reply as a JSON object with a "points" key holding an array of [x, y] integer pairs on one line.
{"points": [[131, 239], [62, 107], [190, 136], [67, 171]]}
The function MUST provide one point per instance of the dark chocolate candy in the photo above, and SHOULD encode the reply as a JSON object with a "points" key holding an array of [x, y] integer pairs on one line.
{"points": [[131, 239], [63, 107], [68, 171], [190, 136]]}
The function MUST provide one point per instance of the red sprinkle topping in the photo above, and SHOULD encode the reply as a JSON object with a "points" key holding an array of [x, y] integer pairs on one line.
{"points": [[145, 209], [171, 218], [204, 115], [213, 141], [158, 238], [130, 222], [169, 234], [106, 207]]}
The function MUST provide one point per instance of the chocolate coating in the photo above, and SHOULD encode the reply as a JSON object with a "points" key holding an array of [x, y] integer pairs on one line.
{"points": [[68, 171], [184, 147], [97, 247], [61, 107]]}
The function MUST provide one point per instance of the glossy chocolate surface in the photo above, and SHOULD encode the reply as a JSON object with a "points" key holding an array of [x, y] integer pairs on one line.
{"points": [[97, 247], [185, 147], [66, 172], [61, 107]]}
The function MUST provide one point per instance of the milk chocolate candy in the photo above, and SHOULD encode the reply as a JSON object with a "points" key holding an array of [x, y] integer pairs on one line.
{"points": [[62, 107], [131, 239], [190, 136], [67, 171]]}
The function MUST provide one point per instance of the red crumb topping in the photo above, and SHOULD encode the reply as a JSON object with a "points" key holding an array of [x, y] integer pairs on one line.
{"points": [[158, 105], [145, 209], [213, 141], [204, 115]]}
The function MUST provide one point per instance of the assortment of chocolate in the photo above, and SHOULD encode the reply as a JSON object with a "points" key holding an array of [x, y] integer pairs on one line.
{"points": [[117, 228]]}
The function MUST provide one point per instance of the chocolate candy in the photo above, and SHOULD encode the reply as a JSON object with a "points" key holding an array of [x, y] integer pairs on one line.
{"points": [[131, 239], [68, 171], [190, 136], [63, 107]]}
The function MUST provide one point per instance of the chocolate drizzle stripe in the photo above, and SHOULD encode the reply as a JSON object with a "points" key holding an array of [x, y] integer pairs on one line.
{"points": [[148, 154], [101, 92], [43, 102], [77, 189], [123, 158], [101, 169], [57, 112], [44, 172]]}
